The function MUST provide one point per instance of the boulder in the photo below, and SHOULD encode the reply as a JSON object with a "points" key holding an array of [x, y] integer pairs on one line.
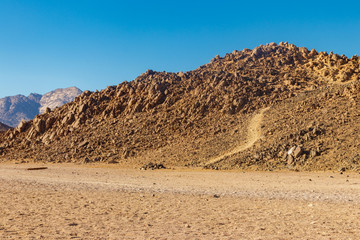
{"points": [[23, 125], [297, 152]]}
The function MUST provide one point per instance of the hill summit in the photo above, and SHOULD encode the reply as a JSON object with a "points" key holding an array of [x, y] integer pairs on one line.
{"points": [[273, 107]]}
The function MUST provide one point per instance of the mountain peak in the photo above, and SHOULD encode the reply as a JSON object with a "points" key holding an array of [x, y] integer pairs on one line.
{"points": [[58, 97], [13, 109]]}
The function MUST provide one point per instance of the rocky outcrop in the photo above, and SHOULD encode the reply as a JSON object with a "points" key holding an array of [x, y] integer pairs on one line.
{"points": [[188, 118], [14, 109]]}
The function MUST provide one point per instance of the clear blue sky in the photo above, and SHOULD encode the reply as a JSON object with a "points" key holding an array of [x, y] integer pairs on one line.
{"points": [[48, 44]]}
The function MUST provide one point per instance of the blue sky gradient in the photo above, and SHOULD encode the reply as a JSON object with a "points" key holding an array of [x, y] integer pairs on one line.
{"points": [[49, 44]]}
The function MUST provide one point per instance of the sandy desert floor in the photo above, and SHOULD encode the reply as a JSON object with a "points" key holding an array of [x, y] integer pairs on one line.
{"points": [[88, 202]]}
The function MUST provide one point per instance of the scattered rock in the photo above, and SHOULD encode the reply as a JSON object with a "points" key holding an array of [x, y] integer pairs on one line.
{"points": [[152, 166], [36, 168], [113, 162], [297, 151]]}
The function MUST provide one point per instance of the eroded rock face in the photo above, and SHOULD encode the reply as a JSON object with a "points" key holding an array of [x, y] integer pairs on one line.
{"points": [[188, 118]]}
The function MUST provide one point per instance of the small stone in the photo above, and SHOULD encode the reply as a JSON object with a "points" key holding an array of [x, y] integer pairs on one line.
{"points": [[47, 110], [291, 150], [180, 74], [313, 153], [113, 162], [83, 143], [290, 160]]}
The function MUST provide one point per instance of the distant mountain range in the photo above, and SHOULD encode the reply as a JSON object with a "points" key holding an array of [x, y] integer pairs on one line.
{"points": [[3, 127], [15, 108]]}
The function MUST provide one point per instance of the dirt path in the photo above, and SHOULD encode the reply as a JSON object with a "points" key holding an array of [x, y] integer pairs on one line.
{"points": [[253, 134]]}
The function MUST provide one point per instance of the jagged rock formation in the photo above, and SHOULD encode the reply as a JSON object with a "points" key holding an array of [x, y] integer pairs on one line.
{"points": [[3, 127], [16, 108], [186, 119]]}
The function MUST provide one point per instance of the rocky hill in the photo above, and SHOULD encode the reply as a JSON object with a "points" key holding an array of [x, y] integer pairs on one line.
{"points": [[273, 107], [16, 108]]}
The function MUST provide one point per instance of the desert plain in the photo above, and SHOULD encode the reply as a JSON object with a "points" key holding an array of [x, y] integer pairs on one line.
{"points": [[68, 201]]}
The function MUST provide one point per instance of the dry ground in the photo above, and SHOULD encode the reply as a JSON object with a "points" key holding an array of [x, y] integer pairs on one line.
{"points": [[93, 202]]}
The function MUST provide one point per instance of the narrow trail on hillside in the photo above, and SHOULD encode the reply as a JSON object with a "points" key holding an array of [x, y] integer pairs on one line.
{"points": [[253, 134]]}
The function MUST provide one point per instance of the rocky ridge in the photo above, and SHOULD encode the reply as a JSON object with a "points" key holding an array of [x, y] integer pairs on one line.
{"points": [[185, 119]]}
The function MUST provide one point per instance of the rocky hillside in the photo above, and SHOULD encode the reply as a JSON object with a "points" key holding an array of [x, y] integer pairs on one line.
{"points": [[273, 107], [16, 108], [3, 127]]}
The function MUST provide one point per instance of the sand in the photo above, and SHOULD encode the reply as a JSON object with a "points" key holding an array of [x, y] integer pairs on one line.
{"points": [[93, 202]]}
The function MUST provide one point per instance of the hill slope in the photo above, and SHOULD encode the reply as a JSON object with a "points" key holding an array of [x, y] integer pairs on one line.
{"points": [[200, 118]]}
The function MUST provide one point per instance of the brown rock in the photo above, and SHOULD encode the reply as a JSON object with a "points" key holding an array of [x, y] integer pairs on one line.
{"points": [[290, 160], [23, 125], [39, 125], [297, 152]]}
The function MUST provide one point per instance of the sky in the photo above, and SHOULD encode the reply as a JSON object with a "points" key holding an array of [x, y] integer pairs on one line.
{"points": [[91, 44]]}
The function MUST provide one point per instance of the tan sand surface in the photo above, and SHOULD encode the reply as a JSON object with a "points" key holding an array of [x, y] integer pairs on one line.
{"points": [[93, 202]]}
